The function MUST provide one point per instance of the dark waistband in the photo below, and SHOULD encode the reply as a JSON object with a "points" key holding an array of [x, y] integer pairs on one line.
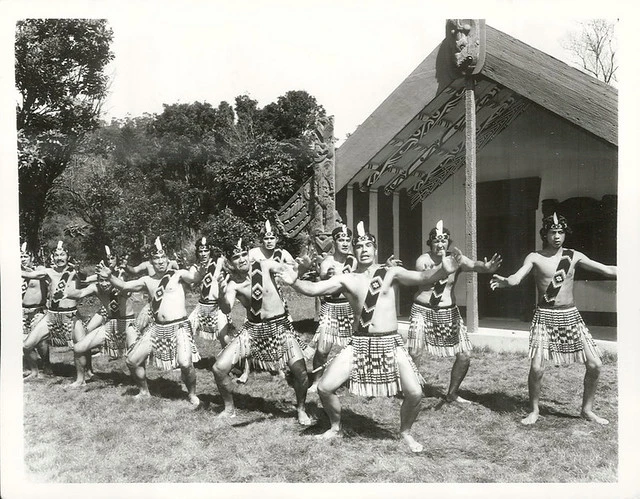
{"points": [[376, 334], [334, 301], [207, 302], [127, 317], [63, 310], [547, 306], [41, 305], [260, 320], [453, 305], [168, 323]]}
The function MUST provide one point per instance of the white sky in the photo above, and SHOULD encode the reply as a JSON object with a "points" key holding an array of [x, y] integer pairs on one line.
{"points": [[348, 57]]}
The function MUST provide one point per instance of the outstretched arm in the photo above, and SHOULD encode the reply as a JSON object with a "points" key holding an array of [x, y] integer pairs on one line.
{"points": [[426, 277], [138, 269], [587, 263], [497, 281], [468, 265], [76, 294], [289, 276], [40, 273], [135, 285]]}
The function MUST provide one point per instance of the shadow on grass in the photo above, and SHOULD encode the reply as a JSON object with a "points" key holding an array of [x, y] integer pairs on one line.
{"points": [[248, 403], [63, 370], [497, 401], [358, 425]]}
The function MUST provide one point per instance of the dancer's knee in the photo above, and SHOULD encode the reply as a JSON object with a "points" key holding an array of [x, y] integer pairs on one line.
{"points": [[464, 357], [593, 366]]}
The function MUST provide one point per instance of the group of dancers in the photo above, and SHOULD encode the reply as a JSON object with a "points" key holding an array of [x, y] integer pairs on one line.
{"points": [[357, 316]]}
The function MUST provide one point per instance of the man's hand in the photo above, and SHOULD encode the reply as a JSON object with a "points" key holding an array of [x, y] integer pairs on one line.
{"points": [[392, 261], [287, 274], [493, 264], [497, 281], [304, 263], [451, 263], [103, 270], [223, 282]]}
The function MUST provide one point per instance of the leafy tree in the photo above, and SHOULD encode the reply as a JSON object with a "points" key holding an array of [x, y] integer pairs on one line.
{"points": [[193, 169], [291, 116], [60, 76], [593, 47]]}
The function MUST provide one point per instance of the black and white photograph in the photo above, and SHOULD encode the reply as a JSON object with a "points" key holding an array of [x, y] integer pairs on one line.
{"points": [[277, 248]]}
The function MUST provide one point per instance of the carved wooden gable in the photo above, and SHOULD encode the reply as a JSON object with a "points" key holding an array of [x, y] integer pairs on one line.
{"points": [[430, 148]]}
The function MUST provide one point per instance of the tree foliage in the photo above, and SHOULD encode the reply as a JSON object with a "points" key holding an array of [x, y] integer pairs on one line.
{"points": [[192, 170], [594, 47], [60, 77]]}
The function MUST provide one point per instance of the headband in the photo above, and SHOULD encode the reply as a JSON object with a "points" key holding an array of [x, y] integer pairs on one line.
{"points": [[156, 249], [202, 243], [341, 231], [554, 222], [439, 233], [238, 249], [363, 236]]}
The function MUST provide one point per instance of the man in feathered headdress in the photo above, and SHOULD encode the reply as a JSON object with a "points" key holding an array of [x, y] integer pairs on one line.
{"points": [[268, 249], [267, 338], [207, 319], [336, 315], [145, 315], [34, 302], [168, 336], [376, 360], [558, 332], [436, 322], [57, 325], [112, 327]]}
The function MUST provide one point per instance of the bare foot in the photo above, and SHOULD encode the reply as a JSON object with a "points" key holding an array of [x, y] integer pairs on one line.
{"points": [[457, 398], [77, 384], [313, 388], [304, 419], [88, 375], [193, 400], [530, 419], [142, 396], [330, 433], [31, 376], [591, 416], [243, 378], [411, 442], [227, 414], [282, 374]]}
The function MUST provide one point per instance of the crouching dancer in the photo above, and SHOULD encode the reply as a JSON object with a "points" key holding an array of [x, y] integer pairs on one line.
{"points": [[57, 325], [267, 337], [169, 335], [376, 362], [557, 330], [116, 334]]}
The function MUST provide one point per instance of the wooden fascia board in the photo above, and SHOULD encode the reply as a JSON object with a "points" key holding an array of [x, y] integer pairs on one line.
{"points": [[552, 84], [395, 112]]}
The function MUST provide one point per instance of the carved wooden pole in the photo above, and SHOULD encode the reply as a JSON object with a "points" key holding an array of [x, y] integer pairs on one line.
{"points": [[322, 198], [467, 41], [470, 203]]}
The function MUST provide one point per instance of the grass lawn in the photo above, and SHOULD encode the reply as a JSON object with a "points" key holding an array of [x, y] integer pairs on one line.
{"points": [[101, 434]]}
